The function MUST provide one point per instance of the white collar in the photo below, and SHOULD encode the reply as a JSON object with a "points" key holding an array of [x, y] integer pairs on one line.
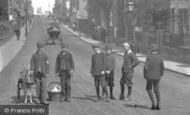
{"points": [[154, 52], [129, 52]]}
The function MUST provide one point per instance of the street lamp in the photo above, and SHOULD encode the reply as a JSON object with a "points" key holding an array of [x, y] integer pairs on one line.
{"points": [[132, 21], [26, 13]]}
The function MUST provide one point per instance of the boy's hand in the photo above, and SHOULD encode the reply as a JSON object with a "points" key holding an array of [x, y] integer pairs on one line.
{"points": [[108, 72], [102, 72]]}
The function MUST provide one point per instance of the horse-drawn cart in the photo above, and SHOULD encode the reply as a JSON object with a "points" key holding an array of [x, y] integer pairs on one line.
{"points": [[53, 34]]}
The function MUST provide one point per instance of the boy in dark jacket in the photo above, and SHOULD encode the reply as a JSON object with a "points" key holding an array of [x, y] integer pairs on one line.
{"points": [[130, 62], [39, 65], [64, 69], [153, 71], [110, 67], [98, 71]]}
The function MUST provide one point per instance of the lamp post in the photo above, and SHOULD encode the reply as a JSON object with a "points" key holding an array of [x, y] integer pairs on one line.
{"points": [[26, 13], [131, 22]]}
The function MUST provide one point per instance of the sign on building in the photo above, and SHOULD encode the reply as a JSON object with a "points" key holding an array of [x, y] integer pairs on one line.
{"points": [[82, 12], [4, 10]]}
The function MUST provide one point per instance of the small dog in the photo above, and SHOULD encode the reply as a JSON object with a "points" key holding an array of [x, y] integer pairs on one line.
{"points": [[27, 84]]}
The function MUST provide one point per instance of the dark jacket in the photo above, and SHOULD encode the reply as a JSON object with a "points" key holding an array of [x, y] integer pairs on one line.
{"points": [[154, 67], [40, 63], [64, 62], [109, 62], [130, 62], [98, 64]]}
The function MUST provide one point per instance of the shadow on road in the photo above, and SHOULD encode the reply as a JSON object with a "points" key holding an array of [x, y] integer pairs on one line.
{"points": [[136, 106], [15, 100], [87, 97]]}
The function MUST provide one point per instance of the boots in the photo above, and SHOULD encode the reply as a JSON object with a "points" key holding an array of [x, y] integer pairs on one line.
{"points": [[122, 97], [129, 93], [152, 99], [111, 93], [98, 93], [106, 93], [157, 93]]}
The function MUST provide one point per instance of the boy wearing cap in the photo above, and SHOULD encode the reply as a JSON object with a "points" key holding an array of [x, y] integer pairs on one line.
{"points": [[110, 67], [98, 71], [64, 69], [129, 63], [39, 65], [153, 71]]}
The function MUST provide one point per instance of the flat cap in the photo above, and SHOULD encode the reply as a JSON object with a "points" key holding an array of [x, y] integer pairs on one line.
{"points": [[95, 46], [126, 44], [64, 45], [154, 47], [40, 44], [108, 47]]}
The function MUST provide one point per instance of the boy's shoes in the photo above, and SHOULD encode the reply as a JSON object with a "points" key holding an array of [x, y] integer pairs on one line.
{"points": [[157, 107], [68, 99], [98, 99], [128, 98], [45, 103], [122, 97], [106, 99], [37, 101], [112, 97], [153, 107]]}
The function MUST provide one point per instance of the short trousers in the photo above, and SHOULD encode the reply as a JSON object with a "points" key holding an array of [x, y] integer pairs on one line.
{"points": [[127, 78], [100, 80], [110, 79]]}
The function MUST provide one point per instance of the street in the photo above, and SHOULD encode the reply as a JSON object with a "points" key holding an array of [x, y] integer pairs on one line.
{"points": [[174, 88]]}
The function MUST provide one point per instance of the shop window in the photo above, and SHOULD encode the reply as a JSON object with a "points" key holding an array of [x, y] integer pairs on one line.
{"points": [[184, 18]]}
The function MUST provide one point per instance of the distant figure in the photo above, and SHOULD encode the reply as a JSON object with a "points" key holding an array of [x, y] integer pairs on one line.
{"points": [[129, 63], [153, 71], [103, 34], [98, 72], [74, 26], [17, 31], [64, 69], [39, 65]]}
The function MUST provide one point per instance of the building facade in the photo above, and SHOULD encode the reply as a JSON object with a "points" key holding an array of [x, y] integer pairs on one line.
{"points": [[180, 13]]}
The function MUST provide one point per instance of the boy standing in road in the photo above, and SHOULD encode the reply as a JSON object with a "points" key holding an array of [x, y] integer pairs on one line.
{"points": [[129, 63], [39, 65], [153, 71], [64, 69], [98, 71], [110, 67]]}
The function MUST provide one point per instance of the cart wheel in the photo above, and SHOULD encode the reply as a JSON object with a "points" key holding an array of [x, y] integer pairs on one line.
{"points": [[18, 91]]}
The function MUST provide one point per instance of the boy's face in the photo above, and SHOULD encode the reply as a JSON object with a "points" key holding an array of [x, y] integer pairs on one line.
{"points": [[108, 51], [97, 50], [64, 49], [126, 48]]}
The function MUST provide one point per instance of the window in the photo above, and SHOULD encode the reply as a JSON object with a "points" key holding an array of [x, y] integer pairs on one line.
{"points": [[172, 19], [184, 18]]}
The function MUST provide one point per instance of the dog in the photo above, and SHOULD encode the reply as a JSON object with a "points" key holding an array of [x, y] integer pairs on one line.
{"points": [[27, 83]]}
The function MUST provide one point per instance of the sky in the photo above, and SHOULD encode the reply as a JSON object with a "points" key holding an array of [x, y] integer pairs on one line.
{"points": [[44, 4]]}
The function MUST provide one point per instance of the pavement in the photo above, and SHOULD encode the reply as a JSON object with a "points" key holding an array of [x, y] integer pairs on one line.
{"points": [[10, 49], [174, 88], [177, 67]]}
